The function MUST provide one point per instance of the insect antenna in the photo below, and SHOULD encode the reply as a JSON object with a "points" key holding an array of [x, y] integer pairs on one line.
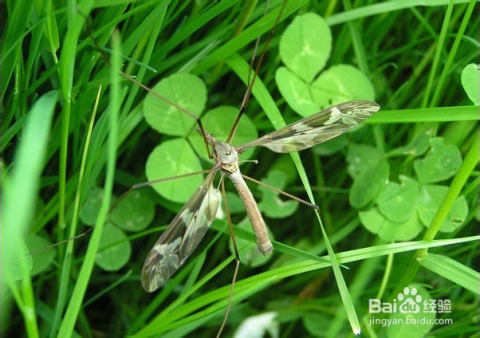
{"points": [[256, 68], [237, 258], [201, 129]]}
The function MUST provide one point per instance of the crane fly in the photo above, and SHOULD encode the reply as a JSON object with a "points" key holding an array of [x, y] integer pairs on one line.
{"points": [[186, 231], [190, 225], [188, 228]]}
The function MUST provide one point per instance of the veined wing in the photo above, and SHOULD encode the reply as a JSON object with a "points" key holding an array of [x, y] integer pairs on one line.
{"points": [[317, 128], [182, 236]]}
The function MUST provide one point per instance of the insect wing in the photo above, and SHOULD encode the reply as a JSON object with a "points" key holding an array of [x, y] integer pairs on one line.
{"points": [[317, 128], [182, 236]]}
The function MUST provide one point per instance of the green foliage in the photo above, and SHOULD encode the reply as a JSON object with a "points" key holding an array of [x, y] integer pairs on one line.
{"points": [[471, 82], [40, 261], [187, 91], [271, 204], [135, 213], [397, 201], [430, 199], [369, 183], [304, 49], [174, 158], [422, 327], [305, 46], [440, 163], [89, 211], [405, 175], [397, 211], [452, 270], [114, 251]]}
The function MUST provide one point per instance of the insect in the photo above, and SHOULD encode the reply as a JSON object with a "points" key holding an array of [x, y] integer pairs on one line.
{"points": [[188, 228]]}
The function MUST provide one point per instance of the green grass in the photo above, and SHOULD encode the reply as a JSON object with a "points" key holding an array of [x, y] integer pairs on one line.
{"points": [[55, 150]]}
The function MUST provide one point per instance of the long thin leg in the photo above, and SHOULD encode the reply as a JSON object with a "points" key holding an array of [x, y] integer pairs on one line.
{"points": [[141, 85], [148, 183], [246, 97], [117, 202], [237, 258], [311, 205]]}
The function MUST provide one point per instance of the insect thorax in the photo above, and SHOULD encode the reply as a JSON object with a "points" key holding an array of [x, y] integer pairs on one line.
{"points": [[227, 156]]}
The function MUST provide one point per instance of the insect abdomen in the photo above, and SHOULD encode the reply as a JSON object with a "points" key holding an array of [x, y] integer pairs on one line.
{"points": [[258, 224]]}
